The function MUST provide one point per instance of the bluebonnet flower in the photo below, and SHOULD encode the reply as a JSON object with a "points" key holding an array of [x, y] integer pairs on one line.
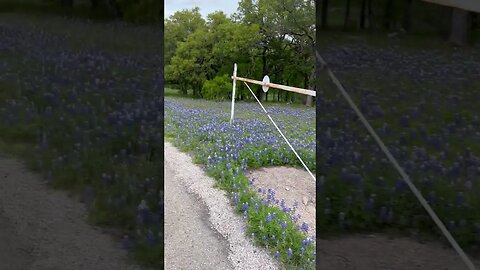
{"points": [[460, 199], [369, 205], [150, 238], [269, 218], [304, 227], [305, 242]]}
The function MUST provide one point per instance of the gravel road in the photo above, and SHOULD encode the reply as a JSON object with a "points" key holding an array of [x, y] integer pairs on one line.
{"points": [[201, 229], [44, 229]]}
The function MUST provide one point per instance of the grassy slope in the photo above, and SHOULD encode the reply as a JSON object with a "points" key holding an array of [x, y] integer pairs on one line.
{"points": [[20, 141], [385, 83]]}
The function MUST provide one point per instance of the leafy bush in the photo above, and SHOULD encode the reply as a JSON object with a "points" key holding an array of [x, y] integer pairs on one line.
{"points": [[217, 89]]}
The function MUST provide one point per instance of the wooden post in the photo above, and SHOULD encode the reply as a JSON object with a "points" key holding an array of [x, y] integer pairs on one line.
{"points": [[233, 91]]}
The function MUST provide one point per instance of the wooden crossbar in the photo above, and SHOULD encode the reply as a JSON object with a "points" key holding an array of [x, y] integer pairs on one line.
{"points": [[277, 86], [470, 5]]}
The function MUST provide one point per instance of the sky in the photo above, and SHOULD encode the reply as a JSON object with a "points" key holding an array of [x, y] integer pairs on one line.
{"points": [[206, 6]]}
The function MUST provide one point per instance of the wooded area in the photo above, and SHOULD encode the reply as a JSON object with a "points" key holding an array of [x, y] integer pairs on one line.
{"points": [[136, 11], [264, 37], [407, 16]]}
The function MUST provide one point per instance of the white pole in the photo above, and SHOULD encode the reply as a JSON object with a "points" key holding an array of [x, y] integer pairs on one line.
{"points": [[233, 92]]}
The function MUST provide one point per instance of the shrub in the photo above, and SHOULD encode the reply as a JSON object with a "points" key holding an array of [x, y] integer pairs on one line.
{"points": [[217, 89]]}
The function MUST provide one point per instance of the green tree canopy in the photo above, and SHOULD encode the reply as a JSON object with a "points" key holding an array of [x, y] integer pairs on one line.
{"points": [[264, 37]]}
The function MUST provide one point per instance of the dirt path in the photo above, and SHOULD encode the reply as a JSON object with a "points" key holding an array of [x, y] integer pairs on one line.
{"points": [[44, 229], [290, 184], [201, 229], [187, 229], [14, 253], [363, 252]]}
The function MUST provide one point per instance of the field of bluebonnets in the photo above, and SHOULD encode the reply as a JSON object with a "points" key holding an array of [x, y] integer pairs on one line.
{"points": [[89, 119], [227, 151], [422, 99]]}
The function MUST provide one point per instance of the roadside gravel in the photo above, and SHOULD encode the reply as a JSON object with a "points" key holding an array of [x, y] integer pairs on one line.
{"points": [[44, 229], [242, 254]]}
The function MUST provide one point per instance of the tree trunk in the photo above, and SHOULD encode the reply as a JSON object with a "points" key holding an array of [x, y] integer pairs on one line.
{"points": [[94, 4], [407, 18], [347, 15], [362, 14], [370, 14], [311, 86], [388, 15], [67, 3], [324, 14], [286, 94], [460, 27], [309, 101], [305, 85], [115, 8]]}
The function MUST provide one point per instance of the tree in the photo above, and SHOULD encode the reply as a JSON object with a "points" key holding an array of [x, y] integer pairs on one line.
{"points": [[265, 37], [67, 3], [284, 25], [299, 22], [407, 18], [262, 13], [324, 14], [362, 14], [94, 4], [388, 15], [347, 14], [233, 42], [460, 27], [187, 65], [178, 27], [210, 51]]}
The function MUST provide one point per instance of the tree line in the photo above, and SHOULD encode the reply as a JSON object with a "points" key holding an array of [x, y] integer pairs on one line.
{"points": [[139, 11], [274, 37], [398, 15]]}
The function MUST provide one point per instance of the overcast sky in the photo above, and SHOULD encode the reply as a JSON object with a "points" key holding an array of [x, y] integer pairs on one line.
{"points": [[206, 6]]}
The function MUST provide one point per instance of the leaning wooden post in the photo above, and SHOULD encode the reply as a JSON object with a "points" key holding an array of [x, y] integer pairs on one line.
{"points": [[233, 92]]}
